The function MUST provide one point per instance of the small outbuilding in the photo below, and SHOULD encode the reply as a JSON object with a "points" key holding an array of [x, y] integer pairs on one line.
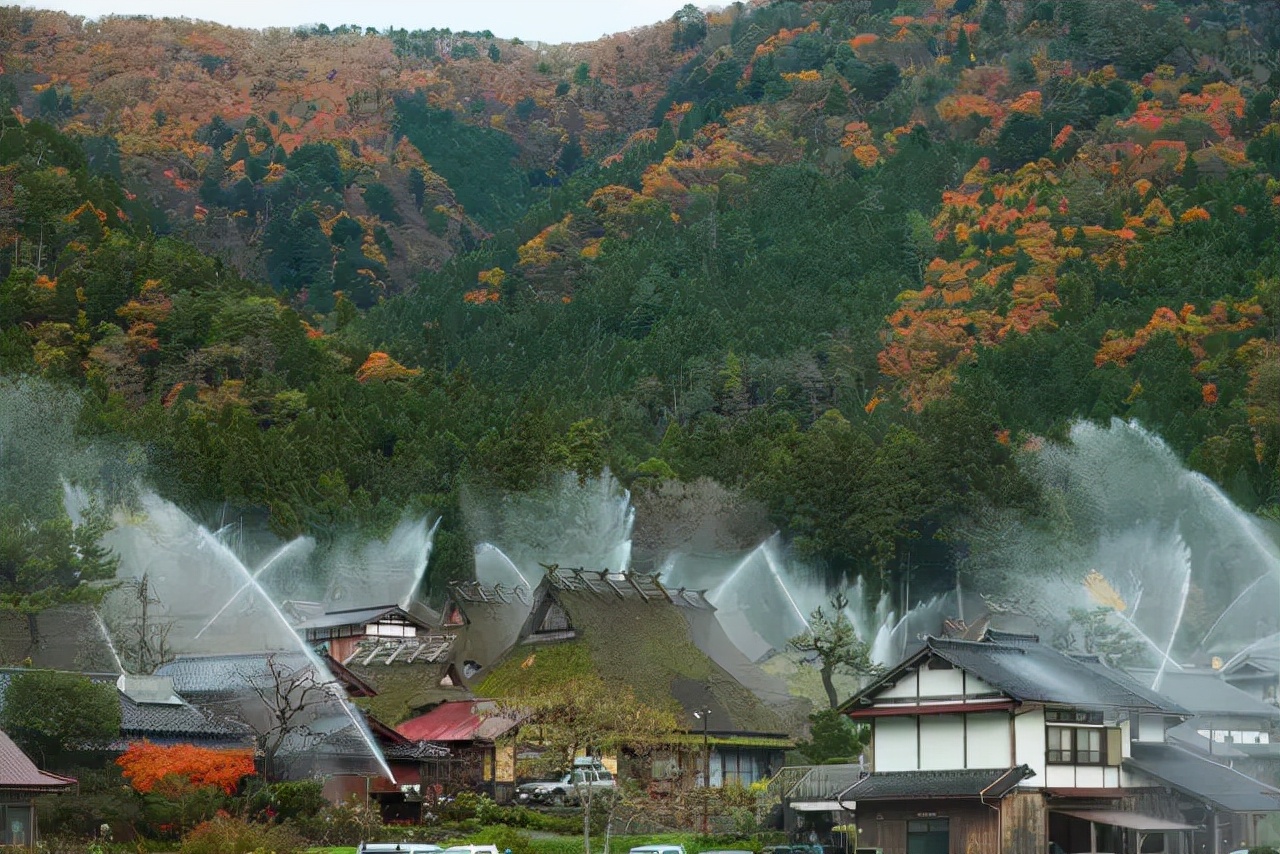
{"points": [[20, 782]]}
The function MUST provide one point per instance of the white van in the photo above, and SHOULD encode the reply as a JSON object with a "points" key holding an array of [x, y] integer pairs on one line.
{"points": [[658, 849], [397, 848], [471, 849]]}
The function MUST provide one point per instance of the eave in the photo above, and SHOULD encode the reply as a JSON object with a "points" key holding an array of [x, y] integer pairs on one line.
{"points": [[912, 709]]}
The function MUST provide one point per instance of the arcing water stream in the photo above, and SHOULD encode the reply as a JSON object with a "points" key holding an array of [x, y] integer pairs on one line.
{"points": [[1184, 572]]}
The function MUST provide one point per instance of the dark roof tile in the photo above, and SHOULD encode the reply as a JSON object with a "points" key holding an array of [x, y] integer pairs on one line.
{"points": [[1026, 670], [153, 719], [1205, 692], [917, 785], [1202, 778]]}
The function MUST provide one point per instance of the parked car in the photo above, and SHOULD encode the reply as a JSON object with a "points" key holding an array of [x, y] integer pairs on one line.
{"points": [[569, 789], [397, 848], [658, 849], [471, 849]]}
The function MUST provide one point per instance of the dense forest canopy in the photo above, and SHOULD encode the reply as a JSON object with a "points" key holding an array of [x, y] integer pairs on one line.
{"points": [[850, 262]]}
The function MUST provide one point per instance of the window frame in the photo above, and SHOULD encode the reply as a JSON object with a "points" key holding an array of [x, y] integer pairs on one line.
{"points": [[1079, 749]]}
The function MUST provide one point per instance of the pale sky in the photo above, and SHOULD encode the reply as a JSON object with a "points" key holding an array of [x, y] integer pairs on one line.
{"points": [[531, 20]]}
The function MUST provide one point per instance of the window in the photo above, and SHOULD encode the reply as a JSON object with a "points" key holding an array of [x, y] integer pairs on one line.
{"points": [[1088, 747], [390, 629], [15, 825], [1072, 716], [1059, 745], [555, 619], [1074, 745]]}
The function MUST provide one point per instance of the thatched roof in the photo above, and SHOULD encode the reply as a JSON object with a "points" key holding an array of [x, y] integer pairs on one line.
{"points": [[647, 643]]}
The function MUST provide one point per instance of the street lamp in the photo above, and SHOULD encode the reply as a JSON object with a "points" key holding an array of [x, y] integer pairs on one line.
{"points": [[704, 715]]}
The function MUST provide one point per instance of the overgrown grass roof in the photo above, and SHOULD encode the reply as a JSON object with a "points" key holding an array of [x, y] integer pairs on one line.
{"points": [[644, 645]]}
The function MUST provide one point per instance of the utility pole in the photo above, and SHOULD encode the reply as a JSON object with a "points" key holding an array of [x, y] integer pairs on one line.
{"points": [[704, 715]]}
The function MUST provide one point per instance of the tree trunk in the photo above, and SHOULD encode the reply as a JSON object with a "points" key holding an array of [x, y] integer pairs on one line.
{"points": [[586, 821], [829, 686]]}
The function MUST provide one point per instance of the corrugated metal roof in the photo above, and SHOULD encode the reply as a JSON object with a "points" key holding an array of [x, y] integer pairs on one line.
{"points": [[1131, 820], [1223, 787], [17, 771], [455, 721], [920, 785]]}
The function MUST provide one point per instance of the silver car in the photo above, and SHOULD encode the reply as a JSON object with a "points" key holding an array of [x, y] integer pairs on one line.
{"points": [[569, 789]]}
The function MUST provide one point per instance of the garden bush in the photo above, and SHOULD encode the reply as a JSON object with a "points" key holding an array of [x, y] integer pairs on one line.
{"points": [[226, 835], [348, 823]]}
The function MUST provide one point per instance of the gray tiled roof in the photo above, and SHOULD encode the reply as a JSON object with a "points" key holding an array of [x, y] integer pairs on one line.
{"points": [[222, 674], [1205, 692], [1202, 778], [148, 719], [158, 721], [915, 785], [418, 750], [355, 617], [1026, 670]]}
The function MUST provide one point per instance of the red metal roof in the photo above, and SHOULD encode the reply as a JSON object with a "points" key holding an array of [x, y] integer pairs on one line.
{"points": [[19, 772], [456, 720], [449, 721]]}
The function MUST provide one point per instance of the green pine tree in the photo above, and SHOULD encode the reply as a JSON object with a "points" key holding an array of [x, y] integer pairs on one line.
{"points": [[963, 56]]}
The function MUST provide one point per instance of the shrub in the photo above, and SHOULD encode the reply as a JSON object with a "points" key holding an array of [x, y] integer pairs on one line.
{"points": [[287, 801], [504, 838], [101, 797], [348, 823], [225, 835]]}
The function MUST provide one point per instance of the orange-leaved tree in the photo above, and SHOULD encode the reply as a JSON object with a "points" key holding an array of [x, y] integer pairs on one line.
{"points": [[146, 764]]}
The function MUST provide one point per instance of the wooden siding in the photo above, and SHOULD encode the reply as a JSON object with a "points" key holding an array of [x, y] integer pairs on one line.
{"points": [[973, 827], [1025, 828]]}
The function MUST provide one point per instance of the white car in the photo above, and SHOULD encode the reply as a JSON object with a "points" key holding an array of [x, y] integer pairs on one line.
{"points": [[569, 789], [397, 848]]}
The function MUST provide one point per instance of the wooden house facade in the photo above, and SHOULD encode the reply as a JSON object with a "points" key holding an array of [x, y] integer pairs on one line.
{"points": [[1006, 746]]}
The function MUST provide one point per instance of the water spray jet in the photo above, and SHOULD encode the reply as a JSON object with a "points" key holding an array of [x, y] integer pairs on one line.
{"points": [[302, 646]]}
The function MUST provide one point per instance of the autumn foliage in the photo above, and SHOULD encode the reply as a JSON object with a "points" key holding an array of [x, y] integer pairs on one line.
{"points": [[146, 765], [380, 366]]}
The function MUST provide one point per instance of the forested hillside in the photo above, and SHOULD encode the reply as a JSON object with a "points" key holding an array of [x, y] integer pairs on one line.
{"points": [[852, 262]]}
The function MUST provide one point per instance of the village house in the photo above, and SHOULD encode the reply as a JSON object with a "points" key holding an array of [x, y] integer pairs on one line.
{"points": [[1229, 725], [1256, 669], [1007, 746], [398, 665], [302, 727], [666, 646], [20, 782], [478, 757]]}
